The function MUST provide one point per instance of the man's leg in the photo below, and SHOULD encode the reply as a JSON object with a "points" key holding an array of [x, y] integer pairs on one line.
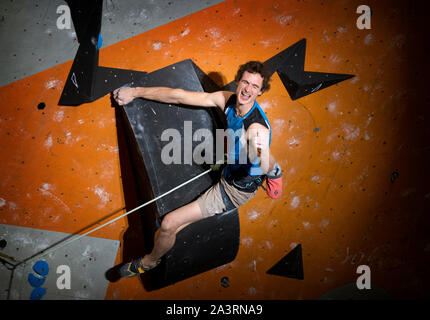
{"points": [[172, 223]]}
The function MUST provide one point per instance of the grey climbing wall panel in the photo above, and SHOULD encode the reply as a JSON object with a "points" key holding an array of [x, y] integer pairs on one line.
{"points": [[88, 258]]}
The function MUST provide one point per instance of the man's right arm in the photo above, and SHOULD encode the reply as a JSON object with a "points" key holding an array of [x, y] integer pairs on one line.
{"points": [[125, 95]]}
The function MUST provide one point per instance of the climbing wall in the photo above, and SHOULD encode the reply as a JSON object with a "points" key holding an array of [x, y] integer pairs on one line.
{"points": [[354, 154]]}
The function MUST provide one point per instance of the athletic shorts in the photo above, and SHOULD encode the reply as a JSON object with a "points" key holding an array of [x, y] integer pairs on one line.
{"points": [[211, 202]]}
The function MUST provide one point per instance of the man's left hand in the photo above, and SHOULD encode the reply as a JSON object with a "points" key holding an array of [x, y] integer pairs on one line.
{"points": [[124, 95]]}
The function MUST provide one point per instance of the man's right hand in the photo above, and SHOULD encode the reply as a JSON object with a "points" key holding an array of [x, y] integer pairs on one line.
{"points": [[124, 95]]}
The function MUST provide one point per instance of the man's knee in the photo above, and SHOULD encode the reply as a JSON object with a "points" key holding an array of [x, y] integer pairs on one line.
{"points": [[169, 224], [174, 221]]}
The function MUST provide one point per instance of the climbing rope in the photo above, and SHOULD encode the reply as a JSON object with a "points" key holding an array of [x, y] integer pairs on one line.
{"points": [[77, 236]]}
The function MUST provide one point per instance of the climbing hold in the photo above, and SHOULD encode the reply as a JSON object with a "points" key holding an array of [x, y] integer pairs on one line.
{"points": [[290, 266], [35, 281], [225, 282], [41, 268], [394, 176], [41, 106], [3, 243], [99, 41], [37, 293]]}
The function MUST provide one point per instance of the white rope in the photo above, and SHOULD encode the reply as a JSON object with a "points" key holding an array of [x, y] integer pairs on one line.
{"points": [[77, 237]]}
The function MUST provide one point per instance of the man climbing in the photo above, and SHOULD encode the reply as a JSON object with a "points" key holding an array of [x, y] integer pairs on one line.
{"points": [[240, 179]]}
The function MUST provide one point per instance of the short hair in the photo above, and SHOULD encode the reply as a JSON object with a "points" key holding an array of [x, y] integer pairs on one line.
{"points": [[255, 67]]}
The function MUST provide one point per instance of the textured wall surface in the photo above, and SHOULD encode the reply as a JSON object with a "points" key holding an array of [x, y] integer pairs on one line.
{"points": [[31, 41], [354, 155]]}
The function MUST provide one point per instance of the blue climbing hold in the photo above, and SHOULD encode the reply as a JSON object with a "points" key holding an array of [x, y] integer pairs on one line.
{"points": [[99, 41], [41, 267], [35, 281], [37, 293]]}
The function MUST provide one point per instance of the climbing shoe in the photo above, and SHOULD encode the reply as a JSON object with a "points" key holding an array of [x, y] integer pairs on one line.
{"points": [[134, 268]]}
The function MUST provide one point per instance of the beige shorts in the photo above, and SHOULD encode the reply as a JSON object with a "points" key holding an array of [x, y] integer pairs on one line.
{"points": [[211, 202]]}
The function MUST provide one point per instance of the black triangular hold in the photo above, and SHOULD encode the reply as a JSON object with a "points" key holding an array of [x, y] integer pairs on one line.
{"points": [[87, 81], [310, 82], [290, 266], [290, 64], [82, 76], [289, 60], [109, 79], [85, 16]]}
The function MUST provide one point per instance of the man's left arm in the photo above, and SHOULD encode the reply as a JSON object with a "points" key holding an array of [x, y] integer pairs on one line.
{"points": [[258, 147]]}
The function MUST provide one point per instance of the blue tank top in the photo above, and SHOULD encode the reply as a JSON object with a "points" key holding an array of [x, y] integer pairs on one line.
{"points": [[236, 127]]}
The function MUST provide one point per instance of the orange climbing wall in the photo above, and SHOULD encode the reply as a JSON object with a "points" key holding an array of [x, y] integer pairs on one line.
{"points": [[60, 167]]}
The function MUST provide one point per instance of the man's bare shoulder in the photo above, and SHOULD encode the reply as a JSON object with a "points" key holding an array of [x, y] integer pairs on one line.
{"points": [[220, 98]]}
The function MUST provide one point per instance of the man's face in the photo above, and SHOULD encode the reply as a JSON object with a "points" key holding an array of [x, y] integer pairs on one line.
{"points": [[249, 88]]}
